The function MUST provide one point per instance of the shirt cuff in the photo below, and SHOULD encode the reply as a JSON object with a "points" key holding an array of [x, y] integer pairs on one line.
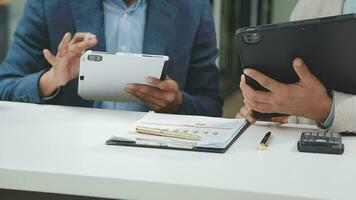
{"points": [[330, 119], [54, 95]]}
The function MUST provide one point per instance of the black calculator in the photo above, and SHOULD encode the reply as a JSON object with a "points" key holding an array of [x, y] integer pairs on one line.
{"points": [[321, 142]]}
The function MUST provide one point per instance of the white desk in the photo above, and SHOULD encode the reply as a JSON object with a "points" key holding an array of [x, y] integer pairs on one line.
{"points": [[61, 150]]}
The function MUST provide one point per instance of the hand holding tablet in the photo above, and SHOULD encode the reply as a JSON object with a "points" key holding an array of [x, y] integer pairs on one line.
{"points": [[327, 47], [161, 96]]}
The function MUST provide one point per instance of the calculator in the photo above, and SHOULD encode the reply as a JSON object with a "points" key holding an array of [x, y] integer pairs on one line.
{"points": [[321, 142]]}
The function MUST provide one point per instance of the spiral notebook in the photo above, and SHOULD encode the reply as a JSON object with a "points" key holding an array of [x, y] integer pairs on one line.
{"points": [[215, 134]]}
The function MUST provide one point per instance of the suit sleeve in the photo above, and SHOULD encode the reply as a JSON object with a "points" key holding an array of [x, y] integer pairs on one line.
{"points": [[202, 94], [25, 63], [345, 105]]}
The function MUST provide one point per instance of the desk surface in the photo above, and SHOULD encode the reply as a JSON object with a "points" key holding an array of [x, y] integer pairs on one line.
{"points": [[61, 150]]}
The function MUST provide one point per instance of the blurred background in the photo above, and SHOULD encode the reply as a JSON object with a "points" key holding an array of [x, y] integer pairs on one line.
{"points": [[229, 16]]}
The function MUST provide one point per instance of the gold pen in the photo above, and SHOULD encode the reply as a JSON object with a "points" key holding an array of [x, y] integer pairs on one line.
{"points": [[263, 144], [165, 133]]}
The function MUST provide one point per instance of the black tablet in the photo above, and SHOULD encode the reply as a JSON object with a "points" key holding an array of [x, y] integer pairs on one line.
{"points": [[327, 46]]}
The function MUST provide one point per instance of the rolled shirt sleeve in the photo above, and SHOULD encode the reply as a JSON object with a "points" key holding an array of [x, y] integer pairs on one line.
{"points": [[328, 123]]}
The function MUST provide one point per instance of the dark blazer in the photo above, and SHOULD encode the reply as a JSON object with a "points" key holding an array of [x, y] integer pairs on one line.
{"points": [[182, 29]]}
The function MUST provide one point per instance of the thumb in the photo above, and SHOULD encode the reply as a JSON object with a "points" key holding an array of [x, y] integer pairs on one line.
{"points": [[301, 69], [49, 56]]}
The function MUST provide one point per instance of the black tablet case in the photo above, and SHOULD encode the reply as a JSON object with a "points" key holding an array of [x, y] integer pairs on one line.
{"points": [[327, 46]]}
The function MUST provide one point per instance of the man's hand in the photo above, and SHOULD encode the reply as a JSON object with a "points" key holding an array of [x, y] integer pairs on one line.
{"points": [[65, 65], [161, 96], [307, 98]]}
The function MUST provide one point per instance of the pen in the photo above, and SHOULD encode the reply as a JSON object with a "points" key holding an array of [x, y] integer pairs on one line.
{"points": [[263, 144], [148, 142], [165, 133], [347, 134]]}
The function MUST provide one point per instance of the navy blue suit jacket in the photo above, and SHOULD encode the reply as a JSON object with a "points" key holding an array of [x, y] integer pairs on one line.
{"points": [[182, 29]]}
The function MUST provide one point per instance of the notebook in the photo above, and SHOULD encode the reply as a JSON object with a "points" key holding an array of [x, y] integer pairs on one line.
{"points": [[216, 134]]}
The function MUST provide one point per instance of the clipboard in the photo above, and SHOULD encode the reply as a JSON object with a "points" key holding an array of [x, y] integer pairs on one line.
{"points": [[130, 143]]}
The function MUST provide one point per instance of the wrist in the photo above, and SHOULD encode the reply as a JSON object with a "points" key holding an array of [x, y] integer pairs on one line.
{"points": [[323, 110], [48, 84]]}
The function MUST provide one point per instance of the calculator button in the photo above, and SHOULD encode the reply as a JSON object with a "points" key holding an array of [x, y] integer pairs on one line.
{"points": [[321, 140]]}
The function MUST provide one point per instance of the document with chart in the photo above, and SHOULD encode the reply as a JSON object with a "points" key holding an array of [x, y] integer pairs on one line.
{"points": [[196, 133]]}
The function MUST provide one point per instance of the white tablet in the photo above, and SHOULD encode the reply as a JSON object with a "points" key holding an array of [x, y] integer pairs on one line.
{"points": [[104, 76]]}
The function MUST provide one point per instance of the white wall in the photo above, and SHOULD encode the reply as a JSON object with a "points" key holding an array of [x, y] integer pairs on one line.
{"points": [[282, 10]]}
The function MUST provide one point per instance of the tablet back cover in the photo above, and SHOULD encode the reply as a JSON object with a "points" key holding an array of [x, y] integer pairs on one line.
{"points": [[105, 79]]}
